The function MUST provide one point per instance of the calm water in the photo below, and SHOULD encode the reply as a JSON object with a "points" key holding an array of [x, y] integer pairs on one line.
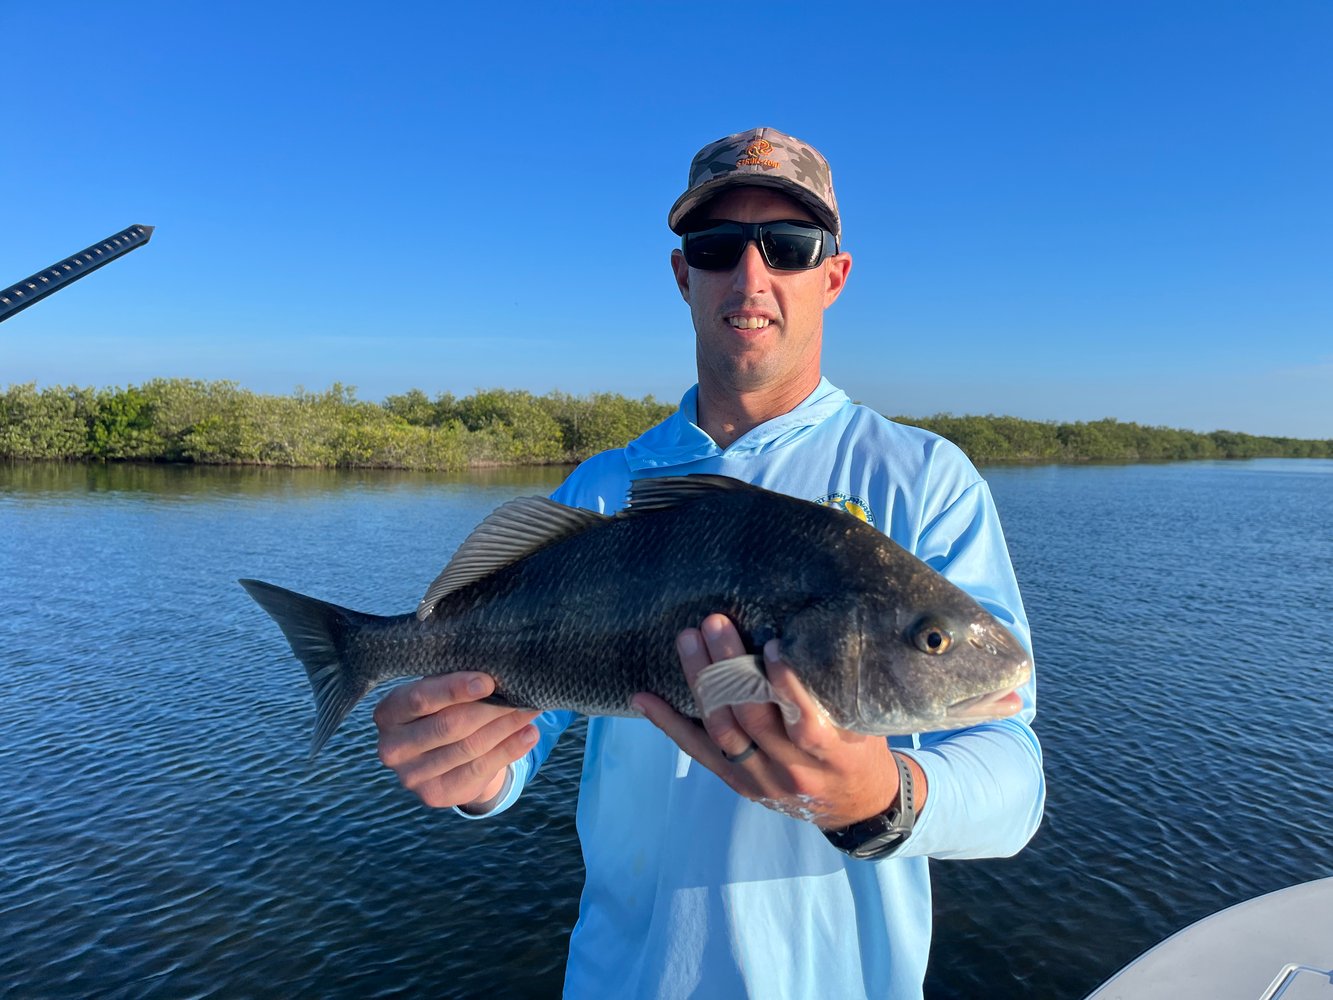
{"points": [[161, 834]]}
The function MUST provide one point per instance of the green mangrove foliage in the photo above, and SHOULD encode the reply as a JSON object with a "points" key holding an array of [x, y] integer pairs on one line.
{"points": [[219, 423], [181, 420], [1009, 439]]}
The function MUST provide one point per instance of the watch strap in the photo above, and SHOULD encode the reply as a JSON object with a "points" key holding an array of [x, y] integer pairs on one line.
{"points": [[884, 833]]}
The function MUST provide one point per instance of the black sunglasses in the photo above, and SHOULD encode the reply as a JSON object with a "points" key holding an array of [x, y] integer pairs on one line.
{"points": [[787, 245]]}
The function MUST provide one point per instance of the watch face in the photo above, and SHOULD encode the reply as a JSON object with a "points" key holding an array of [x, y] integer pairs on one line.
{"points": [[871, 838], [881, 844]]}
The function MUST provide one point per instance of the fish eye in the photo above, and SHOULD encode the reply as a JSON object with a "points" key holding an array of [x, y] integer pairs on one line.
{"points": [[931, 637]]}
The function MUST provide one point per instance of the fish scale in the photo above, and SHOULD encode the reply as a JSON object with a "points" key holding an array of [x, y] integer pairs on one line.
{"points": [[582, 611]]}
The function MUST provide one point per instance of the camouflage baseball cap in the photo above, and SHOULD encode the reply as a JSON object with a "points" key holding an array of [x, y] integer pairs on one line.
{"points": [[763, 157]]}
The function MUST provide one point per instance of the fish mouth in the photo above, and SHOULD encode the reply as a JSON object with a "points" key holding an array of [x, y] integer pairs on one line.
{"points": [[997, 704]]}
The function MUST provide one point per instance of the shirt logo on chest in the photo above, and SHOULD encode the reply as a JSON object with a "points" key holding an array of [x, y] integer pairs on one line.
{"points": [[855, 506]]}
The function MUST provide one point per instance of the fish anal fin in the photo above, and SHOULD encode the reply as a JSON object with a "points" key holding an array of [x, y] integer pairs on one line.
{"points": [[510, 532]]}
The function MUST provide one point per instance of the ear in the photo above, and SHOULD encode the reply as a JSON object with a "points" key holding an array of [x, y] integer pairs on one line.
{"points": [[836, 269], [682, 272]]}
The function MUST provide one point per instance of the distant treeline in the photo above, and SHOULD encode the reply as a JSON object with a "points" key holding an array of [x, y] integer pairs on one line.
{"points": [[219, 423], [1009, 439]]}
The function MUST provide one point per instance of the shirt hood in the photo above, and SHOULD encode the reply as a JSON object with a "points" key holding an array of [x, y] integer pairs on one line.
{"points": [[679, 440]]}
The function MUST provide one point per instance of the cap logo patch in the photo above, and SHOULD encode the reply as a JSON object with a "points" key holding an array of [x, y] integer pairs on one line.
{"points": [[758, 154]]}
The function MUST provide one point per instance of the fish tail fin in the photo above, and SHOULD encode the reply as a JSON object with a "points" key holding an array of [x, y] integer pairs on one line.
{"points": [[318, 634]]}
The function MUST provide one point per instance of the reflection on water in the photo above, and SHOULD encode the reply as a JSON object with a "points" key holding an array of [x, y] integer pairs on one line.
{"points": [[163, 482], [161, 833]]}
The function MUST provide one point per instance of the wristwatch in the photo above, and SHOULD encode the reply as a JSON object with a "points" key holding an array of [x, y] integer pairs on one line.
{"points": [[883, 834]]}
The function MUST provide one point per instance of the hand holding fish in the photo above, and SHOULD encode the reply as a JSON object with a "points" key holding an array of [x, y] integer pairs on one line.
{"points": [[445, 743], [809, 768]]}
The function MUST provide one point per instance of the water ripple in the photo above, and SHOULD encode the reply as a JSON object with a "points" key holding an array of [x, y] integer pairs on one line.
{"points": [[163, 835]]}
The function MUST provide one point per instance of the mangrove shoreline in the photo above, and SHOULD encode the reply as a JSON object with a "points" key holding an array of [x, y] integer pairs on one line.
{"points": [[220, 423]]}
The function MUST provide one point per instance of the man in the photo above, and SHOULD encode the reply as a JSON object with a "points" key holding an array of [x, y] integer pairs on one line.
{"points": [[803, 871]]}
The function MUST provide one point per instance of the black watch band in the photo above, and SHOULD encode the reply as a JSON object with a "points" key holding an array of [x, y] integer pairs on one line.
{"points": [[880, 835]]}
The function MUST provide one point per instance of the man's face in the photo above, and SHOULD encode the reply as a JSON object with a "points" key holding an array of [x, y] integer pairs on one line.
{"points": [[757, 328]]}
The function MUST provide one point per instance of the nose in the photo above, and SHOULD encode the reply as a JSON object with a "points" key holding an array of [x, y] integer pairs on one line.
{"points": [[751, 271]]}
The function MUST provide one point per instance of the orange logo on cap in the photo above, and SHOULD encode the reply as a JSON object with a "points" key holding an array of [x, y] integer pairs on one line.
{"points": [[757, 155]]}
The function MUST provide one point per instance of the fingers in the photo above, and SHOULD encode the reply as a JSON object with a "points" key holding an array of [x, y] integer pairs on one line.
{"points": [[445, 744], [808, 768], [468, 770], [715, 639], [813, 732], [688, 734], [430, 694], [736, 728]]}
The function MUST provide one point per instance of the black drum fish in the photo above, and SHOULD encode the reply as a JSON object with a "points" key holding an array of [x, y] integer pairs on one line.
{"points": [[571, 609]]}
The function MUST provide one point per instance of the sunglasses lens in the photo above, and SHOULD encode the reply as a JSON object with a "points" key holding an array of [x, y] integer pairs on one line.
{"points": [[792, 248], [715, 249], [786, 246]]}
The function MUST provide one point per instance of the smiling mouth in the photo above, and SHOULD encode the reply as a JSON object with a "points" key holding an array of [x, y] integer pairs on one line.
{"points": [[748, 322]]}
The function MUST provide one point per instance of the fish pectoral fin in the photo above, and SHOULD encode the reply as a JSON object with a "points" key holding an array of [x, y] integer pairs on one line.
{"points": [[739, 680]]}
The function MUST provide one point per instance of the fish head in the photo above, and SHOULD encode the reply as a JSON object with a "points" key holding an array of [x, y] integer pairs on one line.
{"points": [[943, 662], [888, 667]]}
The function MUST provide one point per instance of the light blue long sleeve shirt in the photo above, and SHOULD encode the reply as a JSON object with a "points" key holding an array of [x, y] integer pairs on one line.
{"points": [[693, 891]]}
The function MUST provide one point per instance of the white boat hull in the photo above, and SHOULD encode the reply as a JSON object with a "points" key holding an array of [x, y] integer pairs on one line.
{"points": [[1242, 952]]}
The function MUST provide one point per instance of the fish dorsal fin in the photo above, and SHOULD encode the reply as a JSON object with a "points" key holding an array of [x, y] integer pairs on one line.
{"points": [[510, 532], [672, 491]]}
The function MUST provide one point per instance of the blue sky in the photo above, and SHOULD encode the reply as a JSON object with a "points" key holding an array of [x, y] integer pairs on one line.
{"points": [[1060, 211]]}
